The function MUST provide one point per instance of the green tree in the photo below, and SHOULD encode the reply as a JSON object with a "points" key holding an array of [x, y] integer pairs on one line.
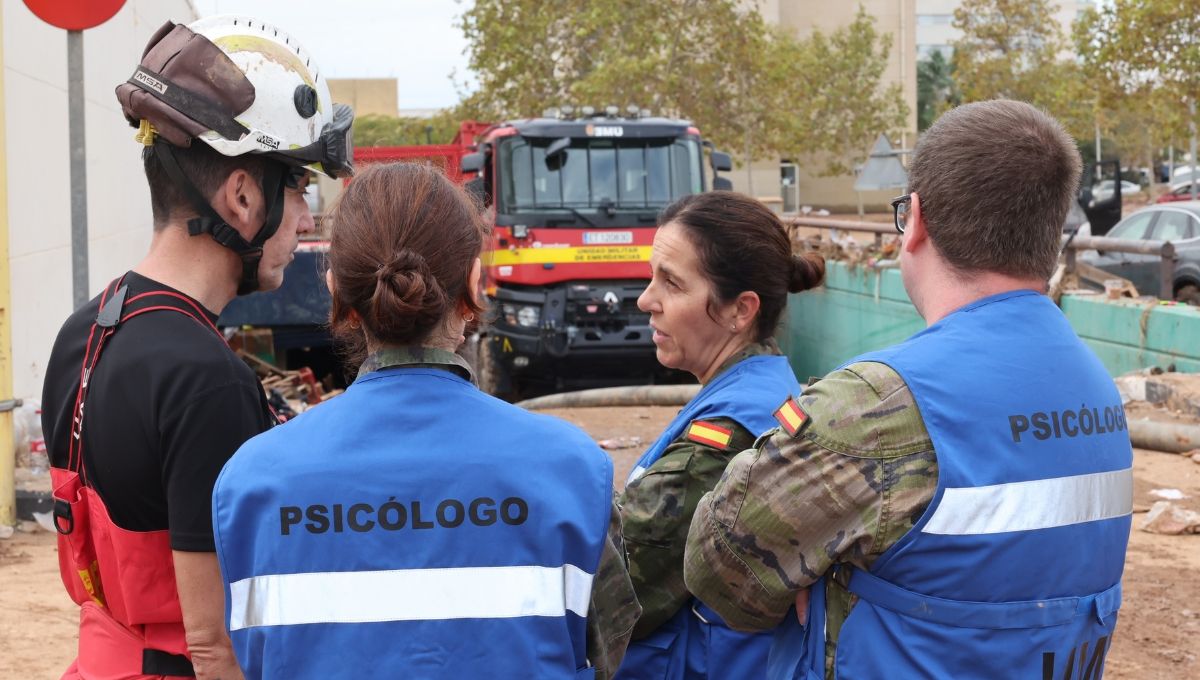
{"points": [[1015, 49], [840, 97], [379, 130], [936, 89], [1144, 59], [749, 86]]}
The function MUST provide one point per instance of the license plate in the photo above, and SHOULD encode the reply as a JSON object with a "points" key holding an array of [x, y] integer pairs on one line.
{"points": [[607, 237]]}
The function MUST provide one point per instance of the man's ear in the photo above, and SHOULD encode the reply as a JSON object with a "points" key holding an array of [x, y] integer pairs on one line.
{"points": [[240, 202], [915, 233]]}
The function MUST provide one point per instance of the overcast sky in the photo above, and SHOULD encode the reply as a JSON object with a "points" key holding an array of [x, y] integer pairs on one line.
{"points": [[414, 41]]}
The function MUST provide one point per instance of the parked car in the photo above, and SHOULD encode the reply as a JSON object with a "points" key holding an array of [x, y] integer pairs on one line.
{"points": [[1077, 221], [1104, 189], [1178, 192], [1178, 223]]}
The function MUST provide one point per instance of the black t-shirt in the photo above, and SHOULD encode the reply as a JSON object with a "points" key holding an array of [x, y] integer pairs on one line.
{"points": [[166, 406]]}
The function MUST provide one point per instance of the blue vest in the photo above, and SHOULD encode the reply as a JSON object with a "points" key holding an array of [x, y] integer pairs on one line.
{"points": [[1014, 570], [413, 527], [696, 643]]}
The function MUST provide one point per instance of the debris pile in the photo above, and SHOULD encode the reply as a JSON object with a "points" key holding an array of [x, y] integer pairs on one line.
{"points": [[1167, 518], [1163, 410], [288, 392]]}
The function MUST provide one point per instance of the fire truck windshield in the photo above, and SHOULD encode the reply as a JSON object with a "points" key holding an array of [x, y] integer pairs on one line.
{"points": [[602, 175]]}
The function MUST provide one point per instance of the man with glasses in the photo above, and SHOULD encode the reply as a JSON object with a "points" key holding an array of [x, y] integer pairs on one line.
{"points": [[957, 505]]}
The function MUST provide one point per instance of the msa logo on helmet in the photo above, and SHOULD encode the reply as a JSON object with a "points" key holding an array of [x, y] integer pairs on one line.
{"points": [[150, 81], [267, 141]]}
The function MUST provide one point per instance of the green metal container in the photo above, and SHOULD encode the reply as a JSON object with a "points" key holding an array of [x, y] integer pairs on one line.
{"points": [[860, 309]]}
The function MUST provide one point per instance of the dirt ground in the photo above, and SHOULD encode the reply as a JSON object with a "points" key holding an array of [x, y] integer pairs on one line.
{"points": [[1158, 635]]}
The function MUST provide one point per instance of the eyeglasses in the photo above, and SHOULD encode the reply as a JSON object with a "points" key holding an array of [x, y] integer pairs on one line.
{"points": [[900, 208]]}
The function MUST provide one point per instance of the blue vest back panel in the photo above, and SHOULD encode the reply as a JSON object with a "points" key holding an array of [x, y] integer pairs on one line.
{"points": [[1014, 569], [696, 643], [412, 527]]}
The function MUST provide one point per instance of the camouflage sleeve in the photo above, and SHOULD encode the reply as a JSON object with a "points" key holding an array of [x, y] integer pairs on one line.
{"points": [[614, 607], [657, 509], [843, 489]]}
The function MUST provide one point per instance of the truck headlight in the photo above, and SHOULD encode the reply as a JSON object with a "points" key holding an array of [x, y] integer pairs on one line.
{"points": [[510, 314], [528, 316]]}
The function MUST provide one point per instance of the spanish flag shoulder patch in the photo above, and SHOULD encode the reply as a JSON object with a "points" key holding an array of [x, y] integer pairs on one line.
{"points": [[791, 417], [706, 433]]}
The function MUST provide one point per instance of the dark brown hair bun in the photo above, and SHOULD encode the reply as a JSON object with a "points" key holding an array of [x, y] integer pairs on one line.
{"points": [[808, 271], [407, 296]]}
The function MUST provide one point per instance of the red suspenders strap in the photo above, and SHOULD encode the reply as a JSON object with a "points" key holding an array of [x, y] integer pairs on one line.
{"points": [[115, 310]]}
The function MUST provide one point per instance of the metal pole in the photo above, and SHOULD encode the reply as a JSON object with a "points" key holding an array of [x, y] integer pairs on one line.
{"points": [[1166, 272], [8, 497], [1097, 142], [1195, 176], [79, 231], [749, 166]]}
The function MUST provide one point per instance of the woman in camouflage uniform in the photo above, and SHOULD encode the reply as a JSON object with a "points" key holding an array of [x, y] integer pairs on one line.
{"points": [[722, 269]]}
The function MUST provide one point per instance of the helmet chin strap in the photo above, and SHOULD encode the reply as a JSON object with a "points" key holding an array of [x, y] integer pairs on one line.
{"points": [[209, 222]]}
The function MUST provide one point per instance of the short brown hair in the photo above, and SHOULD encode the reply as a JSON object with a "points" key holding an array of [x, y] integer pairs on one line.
{"points": [[204, 166], [995, 181], [744, 247], [403, 239]]}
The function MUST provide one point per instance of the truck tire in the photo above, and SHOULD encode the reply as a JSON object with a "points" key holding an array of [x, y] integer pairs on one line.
{"points": [[493, 377], [1188, 293]]}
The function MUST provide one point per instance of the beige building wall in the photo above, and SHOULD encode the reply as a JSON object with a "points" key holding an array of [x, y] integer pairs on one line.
{"points": [[802, 17], [366, 95], [39, 214]]}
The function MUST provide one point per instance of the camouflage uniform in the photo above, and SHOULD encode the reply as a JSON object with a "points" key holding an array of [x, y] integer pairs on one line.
{"points": [[613, 609], [657, 509], [853, 480]]}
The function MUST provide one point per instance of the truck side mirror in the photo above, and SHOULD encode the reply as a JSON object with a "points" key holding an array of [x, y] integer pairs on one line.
{"points": [[721, 161], [556, 153], [476, 189], [473, 162], [722, 184]]}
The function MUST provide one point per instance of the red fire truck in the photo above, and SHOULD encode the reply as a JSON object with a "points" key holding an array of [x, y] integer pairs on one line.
{"points": [[575, 199]]}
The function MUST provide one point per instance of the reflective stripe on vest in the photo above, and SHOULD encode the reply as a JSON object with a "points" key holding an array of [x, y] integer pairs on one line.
{"points": [[409, 595], [1032, 505]]}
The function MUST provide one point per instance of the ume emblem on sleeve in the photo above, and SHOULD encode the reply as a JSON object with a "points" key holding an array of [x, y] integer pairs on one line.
{"points": [[709, 434], [791, 417]]}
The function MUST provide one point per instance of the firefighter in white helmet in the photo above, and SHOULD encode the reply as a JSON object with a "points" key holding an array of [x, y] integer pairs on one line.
{"points": [[235, 117]]}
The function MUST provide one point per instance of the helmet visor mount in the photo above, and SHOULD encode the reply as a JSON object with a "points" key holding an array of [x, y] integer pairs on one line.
{"points": [[333, 151]]}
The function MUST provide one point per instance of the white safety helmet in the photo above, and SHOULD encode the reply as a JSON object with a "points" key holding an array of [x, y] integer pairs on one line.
{"points": [[241, 86]]}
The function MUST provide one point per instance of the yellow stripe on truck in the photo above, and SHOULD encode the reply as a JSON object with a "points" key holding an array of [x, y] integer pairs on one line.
{"points": [[582, 255]]}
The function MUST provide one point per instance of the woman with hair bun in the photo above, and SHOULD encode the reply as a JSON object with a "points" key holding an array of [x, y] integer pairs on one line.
{"points": [[722, 268], [415, 526]]}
